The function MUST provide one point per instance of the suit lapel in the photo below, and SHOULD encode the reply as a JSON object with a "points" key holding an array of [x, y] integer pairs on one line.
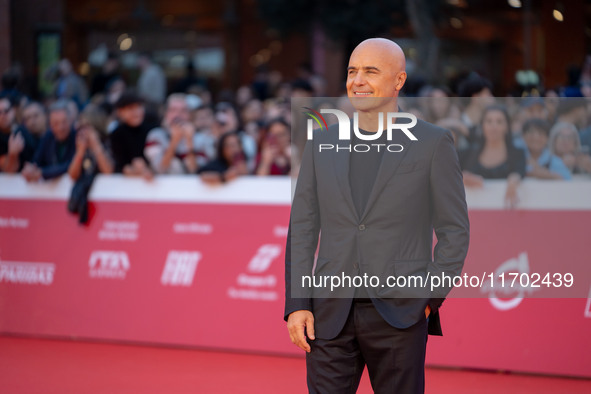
{"points": [[341, 167], [388, 165]]}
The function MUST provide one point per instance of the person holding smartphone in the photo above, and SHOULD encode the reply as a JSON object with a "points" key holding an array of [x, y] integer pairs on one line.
{"points": [[566, 144], [169, 149], [229, 164], [91, 155], [274, 156], [17, 145]]}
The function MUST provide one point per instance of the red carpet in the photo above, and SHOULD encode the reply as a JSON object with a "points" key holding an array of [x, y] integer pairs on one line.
{"points": [[54, 366]]}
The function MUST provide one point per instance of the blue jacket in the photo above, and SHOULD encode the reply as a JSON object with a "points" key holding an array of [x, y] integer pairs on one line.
{"points": [[53, 156]]}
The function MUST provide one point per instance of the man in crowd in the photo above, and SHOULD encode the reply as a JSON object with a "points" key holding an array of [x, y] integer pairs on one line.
{"points": [[129, 138], [16, 143], [57, 147], [170, 149], [541, 163], [35, 119], [35, 122]]}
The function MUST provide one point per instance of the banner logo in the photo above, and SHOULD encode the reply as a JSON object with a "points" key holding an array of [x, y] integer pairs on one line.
{"points": [[504, 298], [253, 284], [179, 269], [27, 272], [108, 264]]}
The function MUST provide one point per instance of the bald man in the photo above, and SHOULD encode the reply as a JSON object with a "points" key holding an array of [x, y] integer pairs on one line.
{"points": [[377, 211]]}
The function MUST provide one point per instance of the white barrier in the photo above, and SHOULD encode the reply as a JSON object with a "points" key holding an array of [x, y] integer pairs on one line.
{"points": [[276, 190]]}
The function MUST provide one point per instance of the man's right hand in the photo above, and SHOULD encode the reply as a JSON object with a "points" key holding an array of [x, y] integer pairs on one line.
{"points": [[296, 322]]}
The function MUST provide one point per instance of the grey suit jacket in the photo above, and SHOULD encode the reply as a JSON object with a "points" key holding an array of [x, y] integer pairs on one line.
{"points": [[415, 192]]}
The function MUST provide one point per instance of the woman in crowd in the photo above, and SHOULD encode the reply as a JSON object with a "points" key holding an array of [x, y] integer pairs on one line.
{"points": [[229, 163], [274, 156], [227, 116], [565, 143], [495, 157]]}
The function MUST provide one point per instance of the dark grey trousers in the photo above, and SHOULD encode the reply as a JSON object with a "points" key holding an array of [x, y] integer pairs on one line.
{"points": [[395, 358]]}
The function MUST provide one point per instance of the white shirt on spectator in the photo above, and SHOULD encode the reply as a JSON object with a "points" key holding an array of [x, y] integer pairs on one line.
{"points": [[249, 146], [204, 145], [157, 143]]}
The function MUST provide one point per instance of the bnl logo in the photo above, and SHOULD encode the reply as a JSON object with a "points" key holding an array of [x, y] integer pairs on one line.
{"points": [[345, 124]]}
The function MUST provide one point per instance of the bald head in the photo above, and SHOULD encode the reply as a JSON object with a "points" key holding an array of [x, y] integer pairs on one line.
{"points": [[376, 70], [387, 49]]}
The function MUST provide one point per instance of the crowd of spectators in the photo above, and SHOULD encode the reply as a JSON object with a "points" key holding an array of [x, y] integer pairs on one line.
{"points": [[511, 138], [108, 126], [143, 131], [543, 137]]}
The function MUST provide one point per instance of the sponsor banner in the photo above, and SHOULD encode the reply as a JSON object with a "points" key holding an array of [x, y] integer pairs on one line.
{"points": [[108, 264], [12, 222], [26, 273], [119, 230], [256, 282], [179, 269], [187, 264], [211, 275]]}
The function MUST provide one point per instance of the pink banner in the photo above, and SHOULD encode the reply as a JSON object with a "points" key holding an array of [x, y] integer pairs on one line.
{"points": [[203, 275], [211, 275]]}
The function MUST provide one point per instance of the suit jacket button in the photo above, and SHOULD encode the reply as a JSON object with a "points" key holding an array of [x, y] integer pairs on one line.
{"points": [[361, 227]]}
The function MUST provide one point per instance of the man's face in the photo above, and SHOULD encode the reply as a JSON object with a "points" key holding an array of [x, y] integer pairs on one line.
{"points": [[374, 78], [6, 114], [34, 119], [536, 140], [60, 124], [177, 109], [132, 114], [203, 119]]}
